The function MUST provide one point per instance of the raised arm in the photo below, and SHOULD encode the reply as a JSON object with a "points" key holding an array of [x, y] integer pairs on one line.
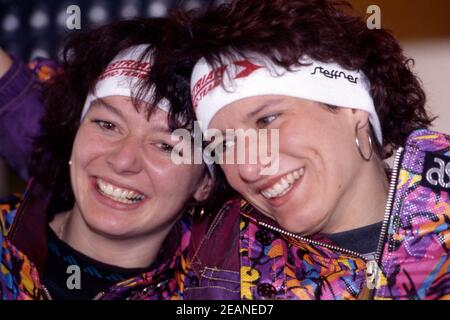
{"points": [[21, 108]]}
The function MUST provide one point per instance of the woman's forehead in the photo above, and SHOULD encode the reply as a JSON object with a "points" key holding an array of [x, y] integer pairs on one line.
{"points": [[124, 107], [248, 108]]}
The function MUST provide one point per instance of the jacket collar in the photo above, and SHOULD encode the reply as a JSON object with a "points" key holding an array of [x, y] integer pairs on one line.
{"points": [[30, 223], [28, 234]]}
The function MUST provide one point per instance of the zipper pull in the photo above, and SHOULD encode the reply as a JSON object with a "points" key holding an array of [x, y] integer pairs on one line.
{"points": [[373, 276]]}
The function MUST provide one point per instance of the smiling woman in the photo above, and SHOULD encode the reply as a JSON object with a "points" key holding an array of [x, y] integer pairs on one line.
{"points": [[334, 222], [105, 195], [125, 184]]}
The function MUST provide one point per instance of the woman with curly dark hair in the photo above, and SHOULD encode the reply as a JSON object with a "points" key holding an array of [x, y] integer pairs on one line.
{"points": [[106, 214], [332, 221]]}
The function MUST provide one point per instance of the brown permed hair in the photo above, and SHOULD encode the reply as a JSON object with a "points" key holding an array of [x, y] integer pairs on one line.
{"points": [[284, 31]]}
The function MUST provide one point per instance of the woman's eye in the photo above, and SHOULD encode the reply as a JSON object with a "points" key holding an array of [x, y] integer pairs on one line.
{"points": [[265, 121], [219, 148], [165, 147], [105, 124], [227, 145], [222, 147]]}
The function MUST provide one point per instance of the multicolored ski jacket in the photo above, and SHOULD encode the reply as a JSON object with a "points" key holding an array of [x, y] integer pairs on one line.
{"points": [[253, 258], [23, 221], [239, 253], [24, 248]]}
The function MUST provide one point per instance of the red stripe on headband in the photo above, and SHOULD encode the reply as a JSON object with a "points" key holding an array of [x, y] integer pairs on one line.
{"points": [[213, 79]]}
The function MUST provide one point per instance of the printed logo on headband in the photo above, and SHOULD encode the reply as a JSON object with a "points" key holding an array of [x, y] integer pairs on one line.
{"points": [[126, 68], [334, 74], [211, 80]]}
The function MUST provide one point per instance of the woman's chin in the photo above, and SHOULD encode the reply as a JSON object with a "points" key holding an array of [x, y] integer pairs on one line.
{"points": [[300, 224], [109, 227], [118, 233]]}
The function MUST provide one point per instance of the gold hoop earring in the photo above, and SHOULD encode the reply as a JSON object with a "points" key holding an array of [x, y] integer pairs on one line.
{"points": [[358, 146]]}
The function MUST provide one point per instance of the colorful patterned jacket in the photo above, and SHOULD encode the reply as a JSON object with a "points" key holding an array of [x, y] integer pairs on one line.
{"points": [[23, 238], [413, 251], [241, 254], [23, 221]]}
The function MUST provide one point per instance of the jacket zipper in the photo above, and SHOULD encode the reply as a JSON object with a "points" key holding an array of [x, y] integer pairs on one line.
{"points": [[390, 201], [387, 215], [99, 295], [18, 217], [372, 266], [313, 242], [49, 297], [46, 292], [12, 230], [316, 243]]}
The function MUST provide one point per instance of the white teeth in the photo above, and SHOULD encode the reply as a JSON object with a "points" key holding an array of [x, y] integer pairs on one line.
{"points": [[284, 185], [290, 178], [109, 189], [277, 188], [118, 194]]}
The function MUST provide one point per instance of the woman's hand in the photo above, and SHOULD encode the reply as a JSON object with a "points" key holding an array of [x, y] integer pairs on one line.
{"points": [[5, 62]]}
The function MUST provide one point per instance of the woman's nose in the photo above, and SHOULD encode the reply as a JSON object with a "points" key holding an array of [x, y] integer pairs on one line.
{"points": [[125, 157], [249, 172], [250, 165]]}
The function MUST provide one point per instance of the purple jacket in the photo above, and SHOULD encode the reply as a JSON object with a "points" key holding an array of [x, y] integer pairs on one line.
{"points": [[21, 109]]}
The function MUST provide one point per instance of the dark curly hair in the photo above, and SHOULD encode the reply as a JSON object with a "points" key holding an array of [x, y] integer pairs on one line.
{"points": [[284, 31], [85, 55]]}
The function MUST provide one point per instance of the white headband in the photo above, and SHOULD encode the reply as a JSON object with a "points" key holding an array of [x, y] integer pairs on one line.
{"points": [[327, 83], [122, 75]]}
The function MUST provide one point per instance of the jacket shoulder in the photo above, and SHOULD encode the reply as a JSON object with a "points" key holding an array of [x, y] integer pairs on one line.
{"points": [[44, 69], [416, 252], [217, 233], [8, 208]]}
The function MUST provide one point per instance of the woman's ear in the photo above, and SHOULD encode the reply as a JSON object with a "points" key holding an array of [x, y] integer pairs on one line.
{"points": [[360, 118], [204, 188]]}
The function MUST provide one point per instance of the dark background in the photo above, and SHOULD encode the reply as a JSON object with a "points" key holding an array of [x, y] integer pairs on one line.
{"points": [[35, 28], [30, 28]]}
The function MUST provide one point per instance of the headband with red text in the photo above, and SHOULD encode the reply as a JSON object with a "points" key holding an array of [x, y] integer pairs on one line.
{"points": [[122, 75]]}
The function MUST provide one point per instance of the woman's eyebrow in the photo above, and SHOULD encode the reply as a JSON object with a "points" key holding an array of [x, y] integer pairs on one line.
{"points": [[161, 128], [100, 103], [262, 107]]}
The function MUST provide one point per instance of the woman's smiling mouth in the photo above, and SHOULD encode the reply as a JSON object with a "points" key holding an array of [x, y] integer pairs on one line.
{"points": [[118, 194], [283, 185]]}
